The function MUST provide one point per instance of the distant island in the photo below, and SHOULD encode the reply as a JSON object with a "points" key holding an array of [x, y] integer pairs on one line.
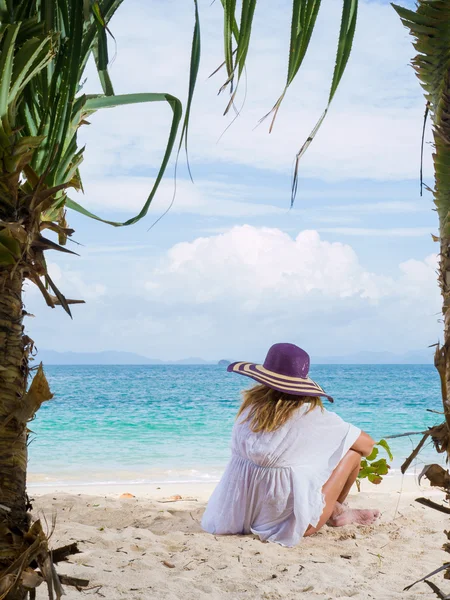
{"points": [[112, 357]]}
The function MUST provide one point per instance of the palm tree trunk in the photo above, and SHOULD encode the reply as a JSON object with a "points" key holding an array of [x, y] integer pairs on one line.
{"points": [[13, 431], [442, 356], [20, 544]]}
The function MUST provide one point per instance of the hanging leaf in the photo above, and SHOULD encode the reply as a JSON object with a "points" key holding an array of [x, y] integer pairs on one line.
{"points": [[303, 21], [94, 103], [346, 36], [193, 73], [383, 444]]}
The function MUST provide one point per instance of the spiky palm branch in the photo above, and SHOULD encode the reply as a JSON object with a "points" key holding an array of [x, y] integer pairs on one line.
{"points": [[429, 25], [44, 49]]}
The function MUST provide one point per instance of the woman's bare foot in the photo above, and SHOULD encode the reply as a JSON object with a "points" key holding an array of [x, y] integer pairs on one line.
{"points": [[343, 515]]}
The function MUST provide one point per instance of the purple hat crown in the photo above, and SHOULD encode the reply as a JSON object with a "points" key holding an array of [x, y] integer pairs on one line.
{"points": [[287, 359], [285, 369]]}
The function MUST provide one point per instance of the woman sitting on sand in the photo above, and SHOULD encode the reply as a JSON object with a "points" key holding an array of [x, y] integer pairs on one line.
{"points": [[293, 462]]}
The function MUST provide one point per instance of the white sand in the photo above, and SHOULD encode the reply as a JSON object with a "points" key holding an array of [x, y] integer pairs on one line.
{"points": [[125, 542]]}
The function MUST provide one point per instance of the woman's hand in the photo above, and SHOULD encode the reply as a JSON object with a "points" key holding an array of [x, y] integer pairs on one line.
{"points": [[364, 444]]}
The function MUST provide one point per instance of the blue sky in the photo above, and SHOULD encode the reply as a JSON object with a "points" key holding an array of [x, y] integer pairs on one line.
{"points": [[231, 269]]}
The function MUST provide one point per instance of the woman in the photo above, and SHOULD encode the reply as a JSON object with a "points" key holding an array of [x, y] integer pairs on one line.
{"points": [[293, 462]]}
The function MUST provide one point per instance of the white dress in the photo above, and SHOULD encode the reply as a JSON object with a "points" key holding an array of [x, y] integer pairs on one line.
{"points": [[272, 486]]}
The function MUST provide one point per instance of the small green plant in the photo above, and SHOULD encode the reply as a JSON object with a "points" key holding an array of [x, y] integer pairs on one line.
{"points": [[372, 467]]}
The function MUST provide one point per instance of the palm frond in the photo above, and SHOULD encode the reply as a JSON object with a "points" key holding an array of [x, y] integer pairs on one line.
{"points": [[94, 103], [193, 73], [44, 48], [303, 21], [346, 36], [430, 27]]}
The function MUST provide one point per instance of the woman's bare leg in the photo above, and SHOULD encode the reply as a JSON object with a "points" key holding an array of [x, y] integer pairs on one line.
{"points": [[350, 481], [336, 490]]}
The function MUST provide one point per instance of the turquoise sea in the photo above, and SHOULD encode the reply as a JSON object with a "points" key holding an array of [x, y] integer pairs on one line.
{"points": [[173, 423]]}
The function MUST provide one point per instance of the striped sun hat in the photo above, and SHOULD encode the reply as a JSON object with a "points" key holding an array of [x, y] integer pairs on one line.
{"points": [[285, 369]]}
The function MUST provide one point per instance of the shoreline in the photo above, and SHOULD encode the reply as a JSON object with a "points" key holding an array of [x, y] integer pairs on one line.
{"points": [[199, 475], [391, 484]]}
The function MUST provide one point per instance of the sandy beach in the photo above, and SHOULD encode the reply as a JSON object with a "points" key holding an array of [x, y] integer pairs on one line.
{"points": [[151, 546]]}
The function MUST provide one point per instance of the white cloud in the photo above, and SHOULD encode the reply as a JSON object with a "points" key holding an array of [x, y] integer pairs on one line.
{"points": [[235, 293], [260, 268], [252, 286], [417, 276]]}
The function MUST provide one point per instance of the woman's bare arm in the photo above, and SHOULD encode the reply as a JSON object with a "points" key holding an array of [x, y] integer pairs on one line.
{"points": [[364, 444]]}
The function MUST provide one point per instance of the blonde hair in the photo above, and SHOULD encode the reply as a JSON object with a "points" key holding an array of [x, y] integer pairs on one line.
{"points": [[270, 409]]}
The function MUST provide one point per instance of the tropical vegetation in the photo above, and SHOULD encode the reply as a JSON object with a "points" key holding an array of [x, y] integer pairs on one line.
{"points": [[44, 48], [429, 25]]}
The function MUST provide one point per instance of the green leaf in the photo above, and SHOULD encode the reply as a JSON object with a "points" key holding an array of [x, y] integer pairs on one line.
{"points": [[6, 258], [97, 12], [304, 15], [6, 70], [94, 103], [366, 471], [380, 466], [33, 55], [235, 58], [106, 82], [11, 245], [193, 73], [372, 456], [229, 8], [385, 445], [87, 9], [245, 29], [373, 469], [374, 478], [69, 82], [100, 50], [346, 35]]}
